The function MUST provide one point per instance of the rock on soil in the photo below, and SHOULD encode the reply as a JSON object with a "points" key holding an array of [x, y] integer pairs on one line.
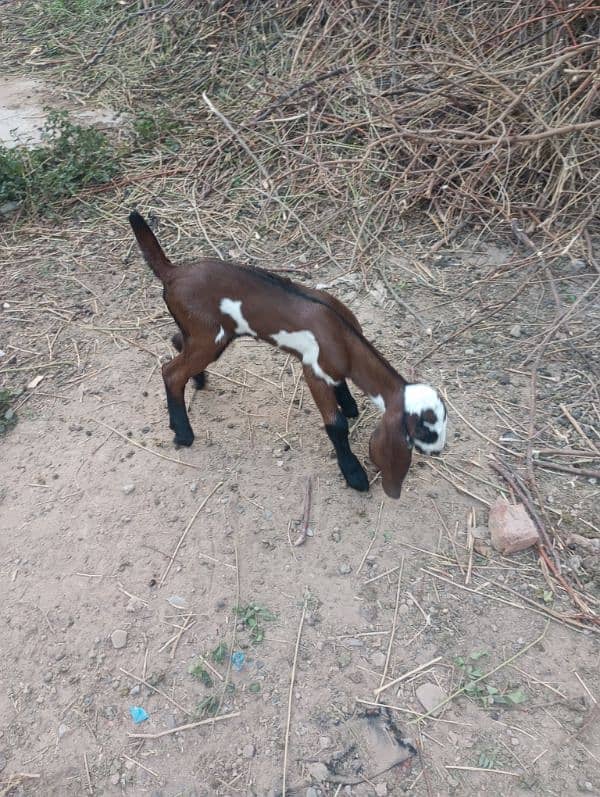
{"points": [[429, 696], [511, 528], [118, 639]]}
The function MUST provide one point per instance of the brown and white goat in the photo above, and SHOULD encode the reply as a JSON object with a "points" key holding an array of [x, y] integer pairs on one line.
{"points": [[214, 301]]}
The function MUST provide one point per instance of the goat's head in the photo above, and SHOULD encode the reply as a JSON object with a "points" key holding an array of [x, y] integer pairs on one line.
{"points": [[420, 423]]}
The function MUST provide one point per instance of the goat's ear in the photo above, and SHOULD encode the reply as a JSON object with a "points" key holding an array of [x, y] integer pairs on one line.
{"points": [[391, 453]]}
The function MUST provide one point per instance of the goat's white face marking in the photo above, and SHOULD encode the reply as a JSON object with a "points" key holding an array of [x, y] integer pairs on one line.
{"points": [[305, 343], [378, 402], [419, 399], [234, 309], [220, 335]]}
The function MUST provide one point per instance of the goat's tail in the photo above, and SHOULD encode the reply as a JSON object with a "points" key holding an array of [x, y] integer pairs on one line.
{"points": [[151, 249]]}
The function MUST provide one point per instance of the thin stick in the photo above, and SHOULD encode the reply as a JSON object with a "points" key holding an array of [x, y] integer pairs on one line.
{"points": [[144, 448], [156, 689], [187, 528], [393, 631], [300, 540], [382, 575], [189, 726], [401, 301], [87, 774], [141, 766], [291, 694], [372, 540], [406, 675], [483, 769]]}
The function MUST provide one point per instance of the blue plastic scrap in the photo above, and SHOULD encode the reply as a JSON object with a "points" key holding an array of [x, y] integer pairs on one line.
{"points": [[237, 660], [138, 714]]}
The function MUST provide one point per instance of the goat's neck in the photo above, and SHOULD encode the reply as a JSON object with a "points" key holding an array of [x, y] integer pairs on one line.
{"points": [[375, 376]]}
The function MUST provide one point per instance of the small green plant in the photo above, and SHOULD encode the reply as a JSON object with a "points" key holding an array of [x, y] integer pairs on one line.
{"points": [[253, 616], [477, 687], [198, 671], [487, 760], [219, 654], [8, 417], [70, 158], [153, 127], [208, 706]]}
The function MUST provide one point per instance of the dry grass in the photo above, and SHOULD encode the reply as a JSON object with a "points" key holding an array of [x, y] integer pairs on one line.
{"points": [[349, 117]]}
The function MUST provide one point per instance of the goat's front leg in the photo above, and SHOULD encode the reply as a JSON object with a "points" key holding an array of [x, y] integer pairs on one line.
{"points": [[346, 400], [336, 427], [194, 358]]}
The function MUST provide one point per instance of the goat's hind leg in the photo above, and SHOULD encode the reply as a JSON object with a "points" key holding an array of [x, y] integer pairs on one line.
{"points": [[194, 358], [336, 427], [200, 378]]}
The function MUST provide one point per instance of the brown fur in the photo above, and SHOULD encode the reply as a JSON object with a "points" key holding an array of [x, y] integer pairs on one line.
{"points": [[270, 304]]}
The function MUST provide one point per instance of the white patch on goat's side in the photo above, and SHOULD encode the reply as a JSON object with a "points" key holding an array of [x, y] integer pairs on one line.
{"points": [[378, 402], [220, 335], [419, 398], [305, 343], [234, 310]]}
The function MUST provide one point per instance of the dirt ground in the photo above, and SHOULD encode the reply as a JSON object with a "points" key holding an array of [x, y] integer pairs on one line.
{"points": [[106, 527]]}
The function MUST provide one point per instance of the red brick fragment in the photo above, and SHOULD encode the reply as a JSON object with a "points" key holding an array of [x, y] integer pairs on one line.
{"points": [[511, 528]]}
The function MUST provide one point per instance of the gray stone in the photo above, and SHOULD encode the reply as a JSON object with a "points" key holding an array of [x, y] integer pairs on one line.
{"points": [[118, 639], [344, 569], [515, 331], [249, 751], [377, 659], [318, 771], [3, 761], [128, 488], [312, 792], [429, 696]]}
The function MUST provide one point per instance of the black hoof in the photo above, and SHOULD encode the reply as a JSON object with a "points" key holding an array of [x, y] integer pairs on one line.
{"points": [[356, 477], [184, 440]]}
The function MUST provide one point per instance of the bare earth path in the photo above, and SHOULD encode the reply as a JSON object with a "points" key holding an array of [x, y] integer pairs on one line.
{"points": [[94, 499]]}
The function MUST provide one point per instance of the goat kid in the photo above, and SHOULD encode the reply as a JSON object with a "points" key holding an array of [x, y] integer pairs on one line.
{"points": [[214, 301]]}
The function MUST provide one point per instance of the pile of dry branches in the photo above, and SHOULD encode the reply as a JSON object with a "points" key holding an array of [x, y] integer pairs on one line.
{"points": [[346, 115]]}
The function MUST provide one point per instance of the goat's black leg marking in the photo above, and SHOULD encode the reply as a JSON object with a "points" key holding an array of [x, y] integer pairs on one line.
{"points": [[352, 470], [179, 421], [199, 379], [345, 400]]}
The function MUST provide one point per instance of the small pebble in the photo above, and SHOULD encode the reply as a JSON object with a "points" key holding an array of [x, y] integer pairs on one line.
{"points": [[128, 488], [381, 789], [515, 331], [344, 569], [114, 779], [378, 659], [249, 751], [118, 639], [312, 792]]}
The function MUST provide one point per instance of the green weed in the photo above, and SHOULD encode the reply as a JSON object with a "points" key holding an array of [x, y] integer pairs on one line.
{"points": [[253, 616], [70, 157], [198, 671], [477, 687], [8, 416]]}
